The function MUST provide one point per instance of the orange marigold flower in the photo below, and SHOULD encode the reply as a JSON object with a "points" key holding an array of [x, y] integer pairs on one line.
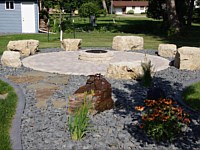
{"points": [[150, 102], [144, 118], [139, 108], [151, 117], [186, 120], [168, 101], [141, 126], [165, 118]]}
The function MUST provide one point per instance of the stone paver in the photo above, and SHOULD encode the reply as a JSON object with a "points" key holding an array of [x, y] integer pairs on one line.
{"points": [[68, 63]]}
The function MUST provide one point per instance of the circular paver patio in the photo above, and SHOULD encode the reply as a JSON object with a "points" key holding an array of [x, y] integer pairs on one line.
{"points": [[67, 62]]}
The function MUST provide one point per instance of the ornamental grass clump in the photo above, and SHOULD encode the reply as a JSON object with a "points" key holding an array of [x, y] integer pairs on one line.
{"points": [[79, 121], [147, 71], [162, 119]]}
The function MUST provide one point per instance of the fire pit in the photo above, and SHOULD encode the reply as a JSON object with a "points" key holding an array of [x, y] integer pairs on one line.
{"points": [[95, 55]]}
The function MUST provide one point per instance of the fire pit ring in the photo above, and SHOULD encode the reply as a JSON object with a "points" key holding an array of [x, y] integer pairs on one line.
{"points": [[95, 55]]}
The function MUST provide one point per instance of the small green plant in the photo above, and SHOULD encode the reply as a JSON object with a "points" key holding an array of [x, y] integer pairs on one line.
{"points": [[79, 120], [162, 119], [147, 71]]}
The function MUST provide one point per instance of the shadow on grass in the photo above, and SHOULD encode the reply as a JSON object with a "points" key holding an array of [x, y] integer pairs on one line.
{"points": [[126, 101]]}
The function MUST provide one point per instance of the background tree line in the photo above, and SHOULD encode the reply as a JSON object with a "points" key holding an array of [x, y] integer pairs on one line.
{"points": [[176, 15]]}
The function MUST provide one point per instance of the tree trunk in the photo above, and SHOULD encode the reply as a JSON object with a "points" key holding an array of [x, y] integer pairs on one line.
{"points": [[104, 5], [190, 12], [174, 24]]}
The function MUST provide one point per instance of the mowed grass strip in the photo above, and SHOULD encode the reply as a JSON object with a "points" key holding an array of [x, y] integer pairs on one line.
{"points": [[106, 29], [191, 96], [7, 111]]}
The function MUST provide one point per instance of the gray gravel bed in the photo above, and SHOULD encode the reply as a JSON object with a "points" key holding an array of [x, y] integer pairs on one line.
{"points": [[112, 129]]}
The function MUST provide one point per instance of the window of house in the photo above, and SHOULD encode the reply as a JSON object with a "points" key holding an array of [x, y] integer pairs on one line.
{"points": [[133, 7], [9, 5], [141, 8]]}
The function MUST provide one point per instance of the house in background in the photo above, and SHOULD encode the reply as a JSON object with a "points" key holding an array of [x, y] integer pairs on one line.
{"points": [[122, 7], [19, 16]]}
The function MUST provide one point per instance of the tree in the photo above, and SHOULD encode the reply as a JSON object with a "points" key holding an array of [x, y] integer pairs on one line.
{"points": [[88, 9], [176, 14]]}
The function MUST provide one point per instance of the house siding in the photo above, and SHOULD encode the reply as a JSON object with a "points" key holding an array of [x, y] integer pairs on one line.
{"points": [[11, 20]]}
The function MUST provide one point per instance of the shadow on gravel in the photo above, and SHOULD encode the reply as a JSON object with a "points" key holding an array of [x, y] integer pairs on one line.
{"points": [[126, 101]]}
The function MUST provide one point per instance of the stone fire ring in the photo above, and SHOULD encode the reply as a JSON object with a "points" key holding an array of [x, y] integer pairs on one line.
{"points": [[96, 55], [68, 62]]}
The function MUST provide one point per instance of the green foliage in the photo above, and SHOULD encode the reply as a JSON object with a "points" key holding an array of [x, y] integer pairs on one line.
{"points": [[66, 23], [191, 96], [79, 121], [88, 9], [7, 110], [130, 12], [147, 71], [162, 119]]}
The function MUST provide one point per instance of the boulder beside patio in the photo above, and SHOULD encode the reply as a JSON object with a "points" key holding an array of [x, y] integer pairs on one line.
{"points": [[122, 43], [124, 70], [71, 44], [11, 59], [187, 58], [25, 47], [167, 50]]}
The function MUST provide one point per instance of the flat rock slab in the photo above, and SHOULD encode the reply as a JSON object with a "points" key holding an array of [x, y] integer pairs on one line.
{"points": [[25, 79], [59, 79], [41, 86], [38, 73], [59, 103], [67, 62]]}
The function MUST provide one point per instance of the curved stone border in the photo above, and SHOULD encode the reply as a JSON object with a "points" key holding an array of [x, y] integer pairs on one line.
{"points": [[15, 134]]}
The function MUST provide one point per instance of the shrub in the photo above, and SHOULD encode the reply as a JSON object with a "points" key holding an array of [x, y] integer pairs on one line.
{"points": [[88, 9], [162, 119], [79, 121], [130, 12]]}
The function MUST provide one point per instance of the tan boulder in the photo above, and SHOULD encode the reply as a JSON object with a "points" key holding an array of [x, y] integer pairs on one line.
{"points": [[124, 70], [25, 47], [188, 58], [167, 50], [11, 59], [71, 44], [123, 43]]}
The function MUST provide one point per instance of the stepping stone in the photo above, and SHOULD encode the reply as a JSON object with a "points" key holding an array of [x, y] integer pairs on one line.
{"points": [[43, 85], [39, 73], [59, 79], [25, 79], [59, 103]]}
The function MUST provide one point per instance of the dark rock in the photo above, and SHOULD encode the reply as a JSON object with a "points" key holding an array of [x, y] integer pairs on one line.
{"points": [[100, 97]]}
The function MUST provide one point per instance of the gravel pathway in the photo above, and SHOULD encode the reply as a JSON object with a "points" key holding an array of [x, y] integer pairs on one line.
{"points": [[113, 129]]}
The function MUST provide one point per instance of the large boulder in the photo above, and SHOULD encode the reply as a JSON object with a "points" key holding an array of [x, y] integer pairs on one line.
{"points": [[188, 58], [123, 43], [167, 50], [101, 98], [124, 70], [25, 47], [11, 59], [71, 44]]}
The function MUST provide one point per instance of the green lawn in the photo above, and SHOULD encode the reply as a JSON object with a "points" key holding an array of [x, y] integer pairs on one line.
{"points": [[191, 96], [7, 110], [106, 29]]}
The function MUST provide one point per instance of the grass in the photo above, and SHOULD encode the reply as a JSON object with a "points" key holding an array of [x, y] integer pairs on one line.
{"points": [[106, 29], [191, 96], [7, 110]]}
